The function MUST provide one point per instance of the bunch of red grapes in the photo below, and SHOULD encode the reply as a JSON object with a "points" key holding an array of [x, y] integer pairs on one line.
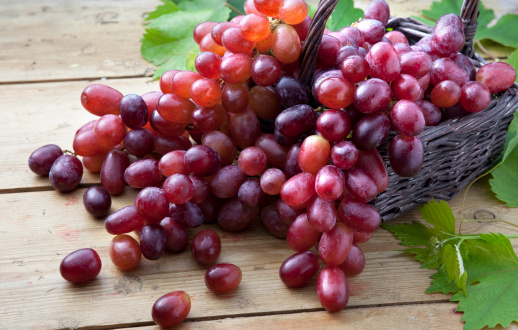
{"points": [[242, 139]]}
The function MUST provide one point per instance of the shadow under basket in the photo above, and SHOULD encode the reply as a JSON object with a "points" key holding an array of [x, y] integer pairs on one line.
{"points": [[457, 150]]}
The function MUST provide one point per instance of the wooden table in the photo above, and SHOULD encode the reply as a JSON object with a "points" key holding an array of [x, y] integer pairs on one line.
{"points": [[51, 50]]}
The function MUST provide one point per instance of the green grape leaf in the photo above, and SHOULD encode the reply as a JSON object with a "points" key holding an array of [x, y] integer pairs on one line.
{"points": [[502, 32], [491, 296], [167, 8], [513, 61], [344, 14], [168, 42], [441, 283], [439, 214], [454, 266]]}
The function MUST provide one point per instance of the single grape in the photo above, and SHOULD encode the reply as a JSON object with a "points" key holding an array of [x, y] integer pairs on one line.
{"points": [[101, 100], [383, 61], [176, 236], [222, 278], [321, 214], [143, 173], [139, 142], [133, 111], [298, 190], [112, 171], [378, 10], [97, 201], [202, 160], [124, 221], [41, 159], [250, 192], [234, 216], [80, 266], [226, 181], [178, 188], [358, 215], [334, 125], [497, 76], [407, 117], [332, 289], [152, 204], [355, 261], [171, 309], [124, 252], [475, 96], [291, 92], [66, 173], [335, 244], [272, 180], [313, 154], [344, 155], [301, 235], [330, 183], [371, 131], [152, 241], [298, 269], [406, 154]]}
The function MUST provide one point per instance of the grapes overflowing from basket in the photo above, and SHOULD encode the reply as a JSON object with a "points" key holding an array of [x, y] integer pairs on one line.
{"points": [[242, 138]]}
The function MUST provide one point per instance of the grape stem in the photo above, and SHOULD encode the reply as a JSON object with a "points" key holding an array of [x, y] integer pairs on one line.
{"points": [[485, 51], [234, 9]]}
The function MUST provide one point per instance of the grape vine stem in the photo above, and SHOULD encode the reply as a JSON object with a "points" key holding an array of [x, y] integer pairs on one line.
{"points": [[234, 9]]}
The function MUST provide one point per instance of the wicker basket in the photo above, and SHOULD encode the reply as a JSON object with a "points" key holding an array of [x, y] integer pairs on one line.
{"points": [[457, 150]]}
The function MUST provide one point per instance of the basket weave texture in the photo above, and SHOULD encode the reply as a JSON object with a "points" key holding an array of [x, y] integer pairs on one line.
{"points": [[457, 150]]}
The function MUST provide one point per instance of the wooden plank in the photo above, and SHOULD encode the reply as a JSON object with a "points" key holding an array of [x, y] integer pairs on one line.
{"points": [[42, 227], [43, 113], [417, 317], [61, 39]]}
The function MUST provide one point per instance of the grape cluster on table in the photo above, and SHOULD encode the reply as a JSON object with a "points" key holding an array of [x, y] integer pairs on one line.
{"points": [[242, 139]]}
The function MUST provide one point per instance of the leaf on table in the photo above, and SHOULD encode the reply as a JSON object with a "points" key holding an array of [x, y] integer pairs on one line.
{"points": [[492, 291], [441, 283], [439, 214], [505, 180], [513, 61], [502, 32], [344, 14], [168, 42], [454, 266]]}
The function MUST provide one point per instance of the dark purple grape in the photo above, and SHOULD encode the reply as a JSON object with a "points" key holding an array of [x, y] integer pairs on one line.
{"points": [[176, 236], [272, 222], [80, 266], [188, 215], [372, 95], [371, 29], [432, 114], [133, 111], [139, 142], [358, 215], [66, 173], [234, 216], [250, 193], [112, 171], [152, 241], [41, 160], [291, 167], [163, 144], [97, 201], [406, 155], [206, 247], [371, 131], [355, 261], [291, 92], [295, 120], [328, 50], [223, 278], [226, 181]]}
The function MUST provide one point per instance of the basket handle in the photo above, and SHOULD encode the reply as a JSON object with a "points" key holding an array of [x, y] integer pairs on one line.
{"points": [[469, 14], [313, 39]]}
